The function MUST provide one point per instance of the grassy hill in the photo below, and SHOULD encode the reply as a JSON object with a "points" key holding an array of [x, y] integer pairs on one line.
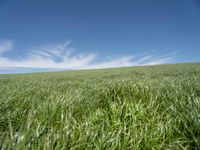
{"points": [[153, 107]]}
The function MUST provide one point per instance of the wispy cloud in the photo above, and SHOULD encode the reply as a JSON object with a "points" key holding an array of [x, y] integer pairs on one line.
{"points": [[6, 45], [63, 56]]}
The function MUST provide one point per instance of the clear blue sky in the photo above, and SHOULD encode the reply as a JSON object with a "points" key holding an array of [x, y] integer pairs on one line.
{"points": [[98, 33]]}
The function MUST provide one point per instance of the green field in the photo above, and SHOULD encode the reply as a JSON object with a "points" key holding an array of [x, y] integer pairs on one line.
{"points": [[152, 107]]}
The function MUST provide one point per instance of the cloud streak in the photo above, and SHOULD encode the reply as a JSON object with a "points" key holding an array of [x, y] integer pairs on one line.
{"points": [[5, 45], [63, 56]]}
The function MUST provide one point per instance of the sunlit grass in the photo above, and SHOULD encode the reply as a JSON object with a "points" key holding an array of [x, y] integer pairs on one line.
{"points": [[155, 107]]}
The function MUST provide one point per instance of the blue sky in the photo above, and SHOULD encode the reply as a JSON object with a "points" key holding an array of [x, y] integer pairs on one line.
{"points": [[84, 34]]}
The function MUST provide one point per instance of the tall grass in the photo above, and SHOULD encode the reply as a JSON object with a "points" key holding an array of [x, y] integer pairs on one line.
{"points": [[155, 107]]}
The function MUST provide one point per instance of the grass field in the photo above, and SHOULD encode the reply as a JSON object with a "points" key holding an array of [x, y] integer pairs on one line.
{"points": [[153, 107]]}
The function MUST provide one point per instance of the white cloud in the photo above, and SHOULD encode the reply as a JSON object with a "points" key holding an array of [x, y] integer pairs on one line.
{"points": [[62, 56], [5, 45]]}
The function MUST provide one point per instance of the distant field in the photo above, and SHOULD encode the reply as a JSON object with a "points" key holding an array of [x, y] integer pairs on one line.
{"points": [[153, 107]]}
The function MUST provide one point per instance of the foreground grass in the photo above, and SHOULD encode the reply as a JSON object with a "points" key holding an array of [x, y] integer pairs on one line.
{"points": [[155, 107]]}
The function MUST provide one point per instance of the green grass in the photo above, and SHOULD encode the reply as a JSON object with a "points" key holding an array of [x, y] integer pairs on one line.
{"points": [[154, 107]]}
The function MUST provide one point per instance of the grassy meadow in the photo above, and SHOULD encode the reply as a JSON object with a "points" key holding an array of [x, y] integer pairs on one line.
{"points": [[149, 107]]}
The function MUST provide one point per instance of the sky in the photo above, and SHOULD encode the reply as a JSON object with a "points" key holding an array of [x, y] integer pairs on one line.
{"points": [[87, 34]]}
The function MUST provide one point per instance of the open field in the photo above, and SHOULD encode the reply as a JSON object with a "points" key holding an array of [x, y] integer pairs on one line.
{"points": [[153, 107]]}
